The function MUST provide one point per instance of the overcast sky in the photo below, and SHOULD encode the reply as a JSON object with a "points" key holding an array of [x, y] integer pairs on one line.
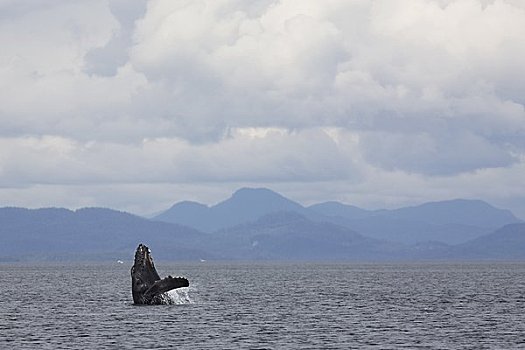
{"points": [[136, 105]]}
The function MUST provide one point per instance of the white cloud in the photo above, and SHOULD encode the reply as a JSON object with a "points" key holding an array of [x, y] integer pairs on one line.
{"points": [[330, 94], [440, 154], [253, 154]]}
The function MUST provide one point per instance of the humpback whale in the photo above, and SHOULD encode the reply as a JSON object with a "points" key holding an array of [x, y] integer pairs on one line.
{"points": [[146, 286]]}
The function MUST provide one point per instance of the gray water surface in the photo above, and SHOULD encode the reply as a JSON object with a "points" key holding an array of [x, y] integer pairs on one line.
{"points": [[270, 306]]}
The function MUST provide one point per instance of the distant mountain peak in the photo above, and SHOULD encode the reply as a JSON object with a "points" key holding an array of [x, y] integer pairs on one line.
{"points": [[456, 202], [457, 211], [189, 204], [333, 208], [259, 192], [245, 205], [260, 198], [252, 190]]}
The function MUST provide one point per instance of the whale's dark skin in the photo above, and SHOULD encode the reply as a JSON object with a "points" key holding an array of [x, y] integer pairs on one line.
{"points": [[147, 287]]}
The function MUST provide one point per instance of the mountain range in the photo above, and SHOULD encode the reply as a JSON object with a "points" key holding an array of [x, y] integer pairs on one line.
{"points": [[88, 234], [452, 222], [260, 224], [245, 205]]}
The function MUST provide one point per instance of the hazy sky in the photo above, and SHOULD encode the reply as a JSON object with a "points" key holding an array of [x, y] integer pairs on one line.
{"points": [[135, 105]]}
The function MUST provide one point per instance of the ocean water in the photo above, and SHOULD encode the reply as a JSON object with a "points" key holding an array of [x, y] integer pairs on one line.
{"points": [[267, 306]]}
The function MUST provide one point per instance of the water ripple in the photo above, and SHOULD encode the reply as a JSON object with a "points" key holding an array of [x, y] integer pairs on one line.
{"points": [[270, 306]]}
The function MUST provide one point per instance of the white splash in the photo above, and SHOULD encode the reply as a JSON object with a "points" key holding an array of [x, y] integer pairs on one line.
{"points": [[180, 296]]}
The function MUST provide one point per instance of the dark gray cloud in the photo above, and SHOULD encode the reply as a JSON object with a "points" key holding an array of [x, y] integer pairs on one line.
{"points": [[107, 59]]}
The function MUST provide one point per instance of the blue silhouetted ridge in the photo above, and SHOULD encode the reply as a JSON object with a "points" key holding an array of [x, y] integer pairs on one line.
{"points": [[245, 205]]}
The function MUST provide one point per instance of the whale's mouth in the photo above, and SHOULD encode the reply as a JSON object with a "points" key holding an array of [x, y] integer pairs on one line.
{"points": [[143, 267]]}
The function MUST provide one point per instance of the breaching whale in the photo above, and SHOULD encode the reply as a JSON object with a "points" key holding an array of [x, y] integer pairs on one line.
{"points": [[147, 287]]}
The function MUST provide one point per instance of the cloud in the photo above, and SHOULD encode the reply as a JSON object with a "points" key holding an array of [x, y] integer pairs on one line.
{"points": [[384, 66], [45, 91], [244, 155], [441, 154], [266, 92], [107, 59]]}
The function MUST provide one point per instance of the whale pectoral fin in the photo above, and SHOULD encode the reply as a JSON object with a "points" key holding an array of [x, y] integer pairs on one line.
{"points": [[167, 284]]}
